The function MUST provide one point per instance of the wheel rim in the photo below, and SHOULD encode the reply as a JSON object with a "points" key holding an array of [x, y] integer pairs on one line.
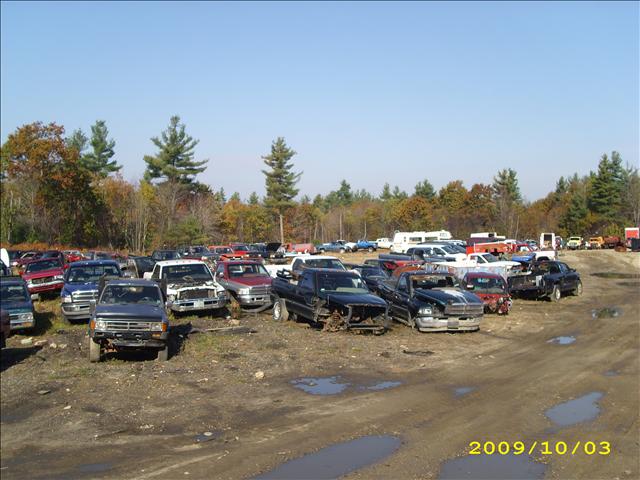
{"points": [[579, 289], [557, 293], [276, 310]]}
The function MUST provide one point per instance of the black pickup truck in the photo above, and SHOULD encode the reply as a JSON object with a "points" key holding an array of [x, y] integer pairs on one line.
{"points": [[425, 254], [340, 300], [431, 302], [549, 279]]}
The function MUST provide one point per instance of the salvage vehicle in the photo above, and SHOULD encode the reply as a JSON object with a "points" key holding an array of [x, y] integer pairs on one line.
{"points": [[575, 243], [129, 314], [221, 252], [44, 276], [390, 265], [549, 279], [138, 266], [243, 251], [431, 302], [384, 242], [339, 300], [306, 261], [160, 255], [371, 274], [72, 255], [81, 286], [404, 240], [299, 248], [596, 243], [422, 253], [366, 245], [268, 251], [248, 283], [15, 300], [190, 285], [486, 260], [611, 241], [96, 255], [25, 258], [492, 289], [5, 328]]}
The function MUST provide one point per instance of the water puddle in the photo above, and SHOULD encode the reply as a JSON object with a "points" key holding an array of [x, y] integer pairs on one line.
{"points": [[566, 340], [460, 391], [207, 436], [611, 373], [579, 410], [616, 275], [498, 467], [94, 467], [337, 384], [606, 312], [629, 284], [336, 460]]}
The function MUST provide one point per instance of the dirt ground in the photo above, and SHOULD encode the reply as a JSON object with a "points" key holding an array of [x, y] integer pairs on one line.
{"points": [[135, 417]]}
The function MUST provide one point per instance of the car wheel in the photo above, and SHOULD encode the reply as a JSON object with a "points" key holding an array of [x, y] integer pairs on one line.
{"points": [[95, 351], [280, 313], [556, 294], [163, 355], [578, 290], [342, 250], [321, 250], [411, 322], [370, 249]]}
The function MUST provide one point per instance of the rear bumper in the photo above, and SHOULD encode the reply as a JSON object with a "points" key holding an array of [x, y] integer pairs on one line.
{"points": [[76, 310], [46, 287], [449, 324]]}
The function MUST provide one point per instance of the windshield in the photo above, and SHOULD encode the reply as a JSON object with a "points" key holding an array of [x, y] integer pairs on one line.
{"points": [[459, 248], [187, 273], [433, 281], [449, 249], [121, 294], [13, 293], [328, 283], [489, 258], [372, 272], [43, 265], [91, 274], [487, 285], [144, 264], [325, 263], [248, 270], [223, 250], [165, 255]]}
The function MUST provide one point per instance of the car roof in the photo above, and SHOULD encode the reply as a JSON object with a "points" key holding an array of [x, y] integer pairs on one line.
{"points": [[330, 270], [482, 275], [183, 261], [133, 282], [241, 262], [93, 263]]}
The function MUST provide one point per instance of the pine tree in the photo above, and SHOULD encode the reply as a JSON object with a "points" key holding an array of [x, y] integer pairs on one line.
{"points": [[254, 199], [606, 188], [508, 201], [425, 190], [78, 140], [574, 220], [98, 160], [174, 160], [386, 193], [280, 180]]}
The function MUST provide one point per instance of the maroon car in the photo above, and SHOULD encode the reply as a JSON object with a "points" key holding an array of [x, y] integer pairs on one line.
{"points": [[492, 290], [43, 276], [247, 281]]}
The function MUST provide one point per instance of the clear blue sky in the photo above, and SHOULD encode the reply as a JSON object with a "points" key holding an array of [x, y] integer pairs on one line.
{"points": [[369, 92]]}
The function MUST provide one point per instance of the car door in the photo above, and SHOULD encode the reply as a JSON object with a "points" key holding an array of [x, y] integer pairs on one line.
{"points": [[570, 278], [400, 299], [305, 296]]}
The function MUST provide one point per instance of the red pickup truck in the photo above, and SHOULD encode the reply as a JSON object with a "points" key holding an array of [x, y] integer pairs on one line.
{"points": [[42, 276]]}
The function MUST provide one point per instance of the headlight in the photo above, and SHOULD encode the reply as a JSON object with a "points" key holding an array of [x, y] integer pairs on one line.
{"points": [[101, 325], [425, 311], [66, 299], [171, 298], [243, 291], [59, 277], [158, 327], [25, 317]]}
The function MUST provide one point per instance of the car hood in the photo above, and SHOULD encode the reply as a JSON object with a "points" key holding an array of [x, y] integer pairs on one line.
{"points": [[25, 306], [444, 296], [133, 310], [252, 281], [69, 288], [43, 273], [356, 299]]}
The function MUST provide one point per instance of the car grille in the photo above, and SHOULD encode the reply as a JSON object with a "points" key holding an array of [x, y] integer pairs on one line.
{"points": [[260, 290], [128, 325], [37, 281], [196, 294], [463, 309], [84, 295]]}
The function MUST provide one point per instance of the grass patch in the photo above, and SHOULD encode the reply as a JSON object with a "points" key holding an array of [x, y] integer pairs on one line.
{"points": [[49, 318]]}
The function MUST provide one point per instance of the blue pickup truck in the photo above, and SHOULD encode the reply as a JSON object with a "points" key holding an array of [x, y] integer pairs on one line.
{"points": [[367, 245]]}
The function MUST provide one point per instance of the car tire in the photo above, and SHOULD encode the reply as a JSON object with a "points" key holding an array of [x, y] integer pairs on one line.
{"points": [[370, 249], [578, 290], [95, 351], [163, 354], [342, 250], [279, 312], [556, 294], [321, 251]]}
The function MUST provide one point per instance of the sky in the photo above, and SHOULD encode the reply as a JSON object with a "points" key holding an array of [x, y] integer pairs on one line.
{"points": [[368, 92]]}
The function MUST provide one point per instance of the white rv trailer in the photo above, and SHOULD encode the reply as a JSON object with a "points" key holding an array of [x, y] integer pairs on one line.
{"points": [[404, 240]]}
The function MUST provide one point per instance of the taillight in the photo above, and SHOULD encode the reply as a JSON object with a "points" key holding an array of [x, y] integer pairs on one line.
{"points": [[92, 324]]}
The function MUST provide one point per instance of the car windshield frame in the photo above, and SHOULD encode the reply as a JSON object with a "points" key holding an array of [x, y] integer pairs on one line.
{"points": [[188, 270], [497, 285], [329, 279], [4, 293], [90, 277], [51, 264], [127, 295], [434, 279], [260, 270], [334, 263]]}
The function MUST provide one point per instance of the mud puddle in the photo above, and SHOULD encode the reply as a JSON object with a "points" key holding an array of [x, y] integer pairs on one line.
{"points": [[616, 275], [611, 373], [94, 467], [606, 312], [581, 409], [563, 340], [336, 460], [499, 467], [460, 391], [337, 384]]}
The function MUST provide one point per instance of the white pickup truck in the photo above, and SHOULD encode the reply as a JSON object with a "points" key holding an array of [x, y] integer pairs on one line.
{"points": [[311, 261], [483, 260]]}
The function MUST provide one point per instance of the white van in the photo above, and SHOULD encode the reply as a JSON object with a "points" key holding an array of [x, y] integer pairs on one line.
{"points": [[493, 235], [404, 240]]}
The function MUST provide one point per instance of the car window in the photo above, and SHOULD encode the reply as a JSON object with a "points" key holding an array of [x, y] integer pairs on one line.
{"points": [[553, 268], [156, 272], [186, 272], [13, 293], [563, 267], [296, 264], [125, 294], [403, 285], [247, 270], [220, 269], [41, 266], [91, 273]]}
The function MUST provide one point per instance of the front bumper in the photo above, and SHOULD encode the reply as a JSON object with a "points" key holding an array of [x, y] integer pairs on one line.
{"points": [[22, 324], [199, 304], [447, 324], [255, 300], [132, 339], [76, 310], [45, 287]]}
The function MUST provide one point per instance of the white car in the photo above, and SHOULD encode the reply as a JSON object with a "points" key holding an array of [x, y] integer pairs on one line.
{"points": [[310, 261], [384, 243], [190, 285]]}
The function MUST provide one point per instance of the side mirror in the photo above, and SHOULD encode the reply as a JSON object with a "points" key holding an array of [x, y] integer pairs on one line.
{"points": [[92, 306], [35, 297], [147, 275]]}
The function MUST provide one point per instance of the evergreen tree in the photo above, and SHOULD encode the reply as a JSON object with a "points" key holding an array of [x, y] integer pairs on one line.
{"points": [[174, 160], [425, 190], [78, 140], [280, 180], [254, 199], [606, 188], [508, 201], [505, 186], [98, 160], [574, 221], [386, 193], [398, 194]]}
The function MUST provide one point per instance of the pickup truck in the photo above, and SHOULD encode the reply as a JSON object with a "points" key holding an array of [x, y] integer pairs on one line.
{"points": [[485, 260], [424, 254], [337, 246], [366, 245], [431, 302], [129, 314], [549, 279], [44, 276], [575, 243], [492, 289], [596, 243], [339, 300], [15, 301], [248, 283], [611, 241], [384, 242], [81, 286], [190, 285], [306, 261]]}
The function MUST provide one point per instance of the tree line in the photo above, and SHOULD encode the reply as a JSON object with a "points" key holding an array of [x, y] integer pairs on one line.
{"points": [[60, 189]]}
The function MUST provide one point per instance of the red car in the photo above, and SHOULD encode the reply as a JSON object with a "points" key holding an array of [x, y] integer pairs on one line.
{"points": [[25, 258], [72, 256], [247, 281], [42, 276], [492, 290]]}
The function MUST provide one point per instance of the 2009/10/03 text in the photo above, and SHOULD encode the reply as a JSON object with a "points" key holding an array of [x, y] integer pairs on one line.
{"points": [[543, 448]]}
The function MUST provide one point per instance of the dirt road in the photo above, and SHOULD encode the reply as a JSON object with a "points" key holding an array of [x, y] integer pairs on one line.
{"points": [[138, 418]]}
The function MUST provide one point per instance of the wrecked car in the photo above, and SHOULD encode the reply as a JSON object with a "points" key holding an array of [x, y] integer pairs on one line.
{"points": [[190, 285], [44, 276], [339, 300], [431, 302], [15, 301], [548, 279], [492, 289], [129, 314], [81, 286], [248, 283]]}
